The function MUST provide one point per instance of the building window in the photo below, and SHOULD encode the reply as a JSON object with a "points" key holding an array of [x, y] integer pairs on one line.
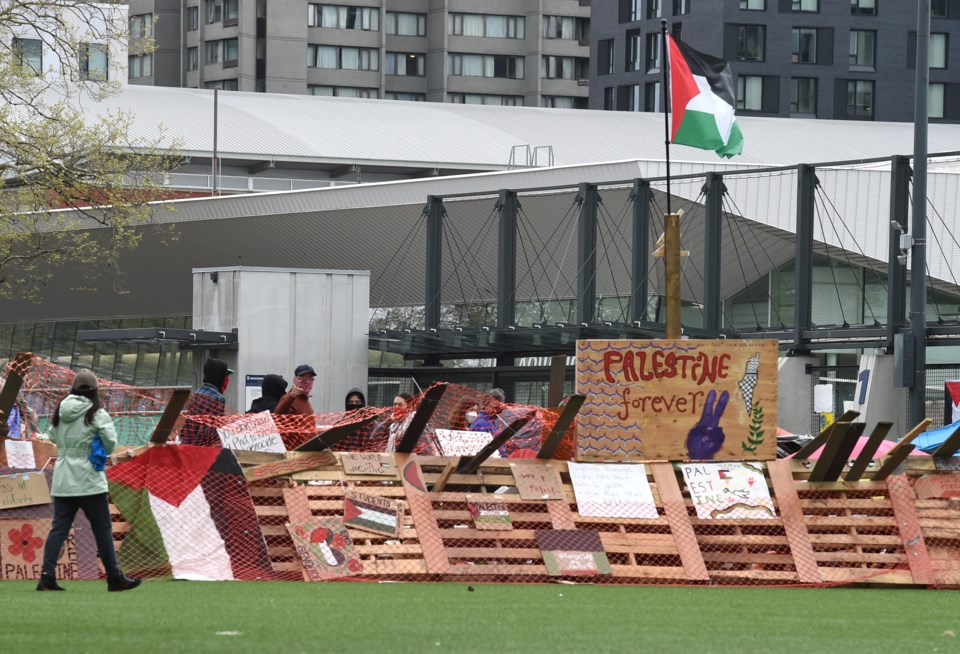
{"points": [[634, 51], [475, 65], [628, 98], [750, 42], [860, 99], [563, 102], [805, 5], [803, 95], [605, 57], [29, 55], [405, 64], [552, 67], [476, 98], [141, 26], [629, 11], [214, 11], [609, 98], [140, 66], [750, 92], [653, 8], [651, 97], [681, 7], [564, 27], [863, 45], [193, 58], [804, 45], [93, 61], [346, 58], [938, 9], [222, 84], [231, 12], [935, 100], [753, 5], [225, 51], [406, 97], [405, 24], [344, 18], [863, 7], [653, 51], [497, 27], [937, 51], [193, 19], [343, 91]]}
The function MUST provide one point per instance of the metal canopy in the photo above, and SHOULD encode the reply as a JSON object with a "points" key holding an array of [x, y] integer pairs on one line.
{"points": [[185, 338]]}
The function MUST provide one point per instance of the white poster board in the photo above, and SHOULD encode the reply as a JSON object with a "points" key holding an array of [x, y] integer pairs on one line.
{"points": [[460, 442], [823, 398], [20, 454], [253, 433], [731, 490], [612, 490]]}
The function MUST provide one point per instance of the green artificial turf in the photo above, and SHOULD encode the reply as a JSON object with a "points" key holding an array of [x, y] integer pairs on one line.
{"points": [[179, 616]]}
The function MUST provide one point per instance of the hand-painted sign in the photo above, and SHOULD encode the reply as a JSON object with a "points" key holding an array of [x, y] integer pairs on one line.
{"points": [[20, 454], [368, 463], [728, 490], [458, 442], [489, 514], [255, 432], [325, 549], [21, 550], [680, 400], [573, 552], [538, 481], [371, 513], [24, 489], [612, 490]]}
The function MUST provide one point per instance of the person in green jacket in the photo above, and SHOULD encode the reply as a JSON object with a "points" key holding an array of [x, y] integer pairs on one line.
{"points": [[78, 484]]}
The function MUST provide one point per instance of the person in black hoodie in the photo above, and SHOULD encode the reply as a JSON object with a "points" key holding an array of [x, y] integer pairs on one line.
{"points": [[355, 442], [355, 400], [272, 389]]}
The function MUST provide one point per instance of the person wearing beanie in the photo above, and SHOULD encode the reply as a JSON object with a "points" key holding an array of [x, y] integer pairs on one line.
{"points": [[79, 484], [272, 389], [207, 400]]}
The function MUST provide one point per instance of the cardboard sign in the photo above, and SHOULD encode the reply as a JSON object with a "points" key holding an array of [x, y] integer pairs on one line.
{"points": [[368, 463], [253, 433], [460, 442], [489, 514], [21, 550], [573, 552], [538, 481], [728, 491], [325, 549], [24, 490], [679, 400], [20, 454], [371, 513], [612, 490], [938, 486]]}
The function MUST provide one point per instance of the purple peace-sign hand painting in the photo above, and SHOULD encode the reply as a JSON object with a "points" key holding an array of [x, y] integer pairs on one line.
{"points": [[706, 438]]}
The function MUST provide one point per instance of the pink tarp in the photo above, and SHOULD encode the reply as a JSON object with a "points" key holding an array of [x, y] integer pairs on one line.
{"points": [[883, 450]]}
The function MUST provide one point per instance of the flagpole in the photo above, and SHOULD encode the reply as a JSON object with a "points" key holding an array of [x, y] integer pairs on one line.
{"points": [[665, 102]]}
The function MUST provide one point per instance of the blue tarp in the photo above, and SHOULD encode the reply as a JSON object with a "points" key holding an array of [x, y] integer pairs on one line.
{"points": [[929, 441]]}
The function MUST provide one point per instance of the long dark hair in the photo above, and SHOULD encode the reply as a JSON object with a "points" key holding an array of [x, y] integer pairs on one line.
{"points": [[93, 396]]}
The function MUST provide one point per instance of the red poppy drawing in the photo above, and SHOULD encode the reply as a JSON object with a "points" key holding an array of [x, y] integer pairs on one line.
{"points": [[24, 543], [353, 565]]}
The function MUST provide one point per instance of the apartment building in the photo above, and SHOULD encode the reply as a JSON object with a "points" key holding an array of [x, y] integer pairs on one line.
{"points": [[499, 52], [839, 59]]}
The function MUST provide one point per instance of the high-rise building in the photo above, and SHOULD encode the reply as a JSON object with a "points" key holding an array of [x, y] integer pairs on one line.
{"points": [[505, 52], [840, 59]]}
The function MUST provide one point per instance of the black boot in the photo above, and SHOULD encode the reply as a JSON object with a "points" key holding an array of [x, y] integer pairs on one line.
{"points": [[122, 582], [48, 582]]}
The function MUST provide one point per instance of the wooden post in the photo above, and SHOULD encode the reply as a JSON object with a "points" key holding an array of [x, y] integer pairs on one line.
{"points": [[671, 262]]}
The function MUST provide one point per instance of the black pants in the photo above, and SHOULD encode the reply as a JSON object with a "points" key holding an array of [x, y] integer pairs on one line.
{"points": [[97, 510]]}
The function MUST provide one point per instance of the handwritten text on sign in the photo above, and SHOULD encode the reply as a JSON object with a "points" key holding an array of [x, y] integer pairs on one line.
{"points": [[24, 489], [612, 490], [538, 481], [728, 490], [253, 433], [368, 463], [681, 400]]}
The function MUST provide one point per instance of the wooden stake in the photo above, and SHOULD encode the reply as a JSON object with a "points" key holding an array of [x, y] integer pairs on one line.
{"points": [[671, 263]]}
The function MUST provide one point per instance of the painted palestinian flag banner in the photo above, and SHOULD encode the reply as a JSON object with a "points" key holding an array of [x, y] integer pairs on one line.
{"points": [[702, 101], [190, 515], [371, 513]]}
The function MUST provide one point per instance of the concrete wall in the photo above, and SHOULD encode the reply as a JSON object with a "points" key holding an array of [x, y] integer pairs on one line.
{"points": [[795, 394], [286, 317]]}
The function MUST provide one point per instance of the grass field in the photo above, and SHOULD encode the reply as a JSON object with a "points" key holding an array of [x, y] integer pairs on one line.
{"points": [[172, 616]]}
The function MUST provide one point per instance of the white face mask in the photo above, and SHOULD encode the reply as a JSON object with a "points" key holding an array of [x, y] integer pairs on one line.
{"points": [[471, 416]]}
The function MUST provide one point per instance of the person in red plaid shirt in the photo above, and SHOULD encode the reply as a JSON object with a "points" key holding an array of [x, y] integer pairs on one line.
{"points": [[208, 400]]}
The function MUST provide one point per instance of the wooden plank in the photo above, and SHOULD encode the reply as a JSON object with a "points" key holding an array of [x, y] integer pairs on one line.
{"points": [[11, 388], [900, 451], [170, 415], [836, 451], [421, 510], [822, 437], [428, 404], [676, 511], [289, 466], [469, 465], [558, 374], [560, 515], [298, 513], [334, 435], [441, 481], [869, 450], [949, 447], [794, 526], [549, 447], [918, 558]]}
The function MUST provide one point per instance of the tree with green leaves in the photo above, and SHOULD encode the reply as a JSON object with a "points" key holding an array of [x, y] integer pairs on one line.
{"points": [[74, 182]]}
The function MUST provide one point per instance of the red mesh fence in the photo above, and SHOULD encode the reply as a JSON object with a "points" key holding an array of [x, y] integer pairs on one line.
{"points": [[193, 512]]}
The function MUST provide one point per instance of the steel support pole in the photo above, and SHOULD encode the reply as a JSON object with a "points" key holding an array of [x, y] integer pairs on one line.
{"points": [[587, 254], [507, 260], [711, 258], [897, 272], [434, 256], [803, 277], [640, 261]]}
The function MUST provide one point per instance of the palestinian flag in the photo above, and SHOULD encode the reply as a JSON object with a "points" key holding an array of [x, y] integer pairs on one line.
{"points": [[372, 513], [702, 100], [190, 515]]}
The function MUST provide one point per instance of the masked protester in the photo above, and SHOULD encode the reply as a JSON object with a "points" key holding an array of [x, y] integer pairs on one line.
{"points": [[79, 480], [207, 400], [297, 399], [354, 400], [272, 389]]}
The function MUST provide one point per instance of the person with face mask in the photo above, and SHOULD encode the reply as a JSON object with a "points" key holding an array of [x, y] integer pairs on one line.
{"points": [[358, 440], [297, 400], [206, 400]]}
